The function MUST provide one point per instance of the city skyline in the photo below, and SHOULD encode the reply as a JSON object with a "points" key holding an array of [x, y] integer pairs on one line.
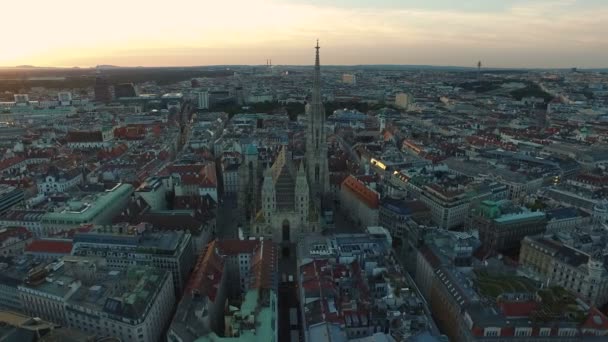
{"points": [[510, 34], [304, 203]]}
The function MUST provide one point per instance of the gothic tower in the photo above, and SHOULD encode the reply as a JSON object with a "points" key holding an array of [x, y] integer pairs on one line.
{"points": [[269, 200], [249, 183], [316, 138], [301, 193]]}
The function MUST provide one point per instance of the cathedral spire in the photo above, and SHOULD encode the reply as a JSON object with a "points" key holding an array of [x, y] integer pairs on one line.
{"points": [[317, 63], [316, 86], [316, 137]]}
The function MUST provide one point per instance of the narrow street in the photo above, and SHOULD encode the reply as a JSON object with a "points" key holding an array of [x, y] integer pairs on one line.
{"points": [[227, 222], [289, 308], [288, 295]]}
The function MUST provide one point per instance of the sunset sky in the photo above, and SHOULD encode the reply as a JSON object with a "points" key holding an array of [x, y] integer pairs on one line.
{"points": [[501, 33]]}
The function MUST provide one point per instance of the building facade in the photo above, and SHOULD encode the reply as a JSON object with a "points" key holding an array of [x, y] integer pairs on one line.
{"points": [[359, 202], [286, 211], [59, 181], [9, 196], [203, 100], [558, 264], [133, 305], [500, 232], [448, 209], [171, 251]]}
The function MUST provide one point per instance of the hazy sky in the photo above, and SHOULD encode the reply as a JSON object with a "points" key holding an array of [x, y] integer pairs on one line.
{"points": [[502, 33]]}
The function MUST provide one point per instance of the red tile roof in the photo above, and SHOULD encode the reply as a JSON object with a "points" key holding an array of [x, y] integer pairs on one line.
{"points": [[363, 193], [430, 257], [264, 266], [235, 247], [130, 132], [518, 309], [50, 246], [21, 232], [114, 152], [10, 162], [595, 320], [207, 275], [70, 233], [195, 174], [84, 136]]}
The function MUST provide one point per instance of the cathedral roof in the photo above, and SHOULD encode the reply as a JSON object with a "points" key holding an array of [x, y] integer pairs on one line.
{"points": [[283, 166], [259, 217]]}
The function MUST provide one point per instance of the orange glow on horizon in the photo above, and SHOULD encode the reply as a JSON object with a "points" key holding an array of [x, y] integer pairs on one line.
{"points": [[194, 32]]}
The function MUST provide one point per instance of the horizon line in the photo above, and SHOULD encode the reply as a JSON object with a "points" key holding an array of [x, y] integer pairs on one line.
{"points": [[110, 66]]}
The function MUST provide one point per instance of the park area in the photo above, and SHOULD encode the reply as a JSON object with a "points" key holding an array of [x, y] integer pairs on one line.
{"points": [[554, 303], [492, 286]]}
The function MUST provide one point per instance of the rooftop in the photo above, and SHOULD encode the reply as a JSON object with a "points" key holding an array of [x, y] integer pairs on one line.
{"points": [[255, 321], [50, 246], [145, 242], [495, 285], [86, 207], [364, 193], [119, 293]]}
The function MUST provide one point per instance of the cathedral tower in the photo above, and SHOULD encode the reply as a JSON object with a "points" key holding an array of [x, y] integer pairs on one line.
{"points": [[316, 138], [249, 183], [269, 200], [301, 193]]}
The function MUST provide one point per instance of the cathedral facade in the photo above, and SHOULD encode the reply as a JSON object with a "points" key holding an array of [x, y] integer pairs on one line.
{"points": [[288, 203], [286, 210]]}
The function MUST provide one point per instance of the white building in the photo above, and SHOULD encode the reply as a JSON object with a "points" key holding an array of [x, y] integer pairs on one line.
{"points": [[64, 98], [21, 98], [59, 181], [600, 212], [134, 304], [557, 264], [230, 176], [154, 192], [203, 100], [448, 209], [350, 79], [30, 219], [403, 100]]}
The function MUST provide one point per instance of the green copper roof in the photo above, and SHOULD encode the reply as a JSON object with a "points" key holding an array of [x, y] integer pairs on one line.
{"points": [[265, 321], [251, 149]]}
